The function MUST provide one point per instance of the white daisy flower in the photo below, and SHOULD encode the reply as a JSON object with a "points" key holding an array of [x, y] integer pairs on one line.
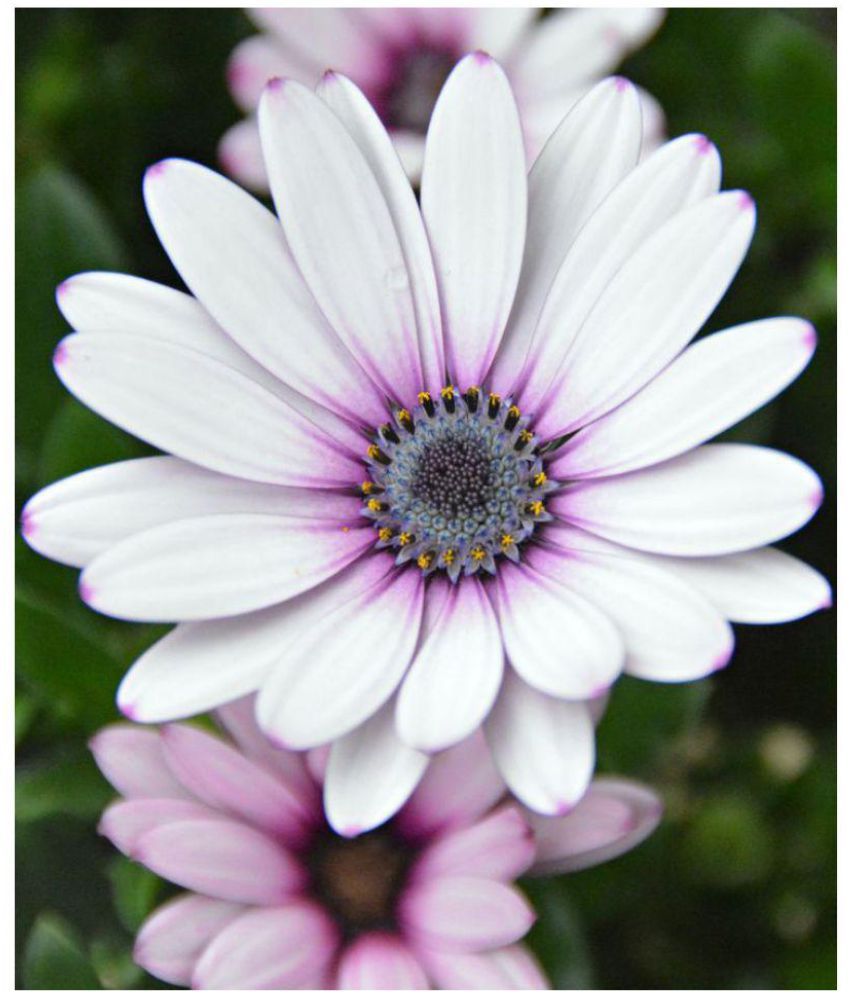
{"points": [[447, 464], [400, 58]]}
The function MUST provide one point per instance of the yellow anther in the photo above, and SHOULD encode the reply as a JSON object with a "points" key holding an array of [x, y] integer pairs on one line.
{"points": [[373, 452], [514, 411], [449, 557], [373, 504], [540, 479], [423, 396], [447, 392], [424, 560], [367, 487], [477, 554], [346, 528], [404, 417], [525, 435], [536, 508], [507, 540], [474, 391], [385, 534], [494, 398], [405, 539]]}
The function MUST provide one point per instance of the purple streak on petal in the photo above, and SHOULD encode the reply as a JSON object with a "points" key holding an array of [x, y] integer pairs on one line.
{"points": [[275, 84]]}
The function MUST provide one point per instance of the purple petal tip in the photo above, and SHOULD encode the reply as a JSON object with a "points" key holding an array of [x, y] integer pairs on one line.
{"points": [[482, 58], [27, 523], [810, 337], [816, 500], [275, 84], [60, 354], [703, 145], [722, 661], [349, 832], [62, 289], [86, 591], [156, 170], [563, 808], [621, 83], [746, 202], [129, 711]]}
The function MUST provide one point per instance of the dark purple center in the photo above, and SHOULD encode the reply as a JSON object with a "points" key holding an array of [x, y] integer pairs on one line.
{"points": [[416, 75]]}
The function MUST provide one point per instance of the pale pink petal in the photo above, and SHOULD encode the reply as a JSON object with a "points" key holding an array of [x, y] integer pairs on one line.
{"points": [[77, 518], [500, 30], [124, 822], [346, 666], [218, 565], [649, 311], [355, 112], [511, 968], [201, 409], [200, 665], [370, 774], [233, 255], [455, 675], [252, 64], [720, 498], [614, 816], [592, 150], [241, 155], [287, 947], [670, 631], [131, 759], [465, 914], [221, 858], [556, 640], [544, 747], [460, 784], [172, 938], [761, 586], [712, 385], [474, 205], [341, 233], [380, 962], [225, 779], [499, 846]]}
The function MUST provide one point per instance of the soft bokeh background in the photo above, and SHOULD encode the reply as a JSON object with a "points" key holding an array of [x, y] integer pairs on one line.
{"points": [[737, 889]]}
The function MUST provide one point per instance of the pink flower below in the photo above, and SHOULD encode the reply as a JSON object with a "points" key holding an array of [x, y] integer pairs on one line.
{"points": [[276, 899]]}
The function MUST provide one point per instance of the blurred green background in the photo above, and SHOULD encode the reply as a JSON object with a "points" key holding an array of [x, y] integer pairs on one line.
{"points": [[737, 888]]}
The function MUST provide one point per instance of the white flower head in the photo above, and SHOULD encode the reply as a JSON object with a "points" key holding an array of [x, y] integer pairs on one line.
{"points": [[400, 58], [447, 464]]}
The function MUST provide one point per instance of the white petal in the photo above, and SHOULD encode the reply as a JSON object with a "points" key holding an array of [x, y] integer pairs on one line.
{"points": [[233, 256], [474, 205], [592, 150], [370, 775], [543, 747], [720, 498], [200, 665], [410, 148], [172, 938], [679, 174], [455, 675], [761, 586], [78, 518], [555, 639], [712, 385], [670, 631], [217, 566], [200, 409], [345, 667], [650, 310], [356, 113], [289, 947], [113, 302], [341, 234], [613, 817]]}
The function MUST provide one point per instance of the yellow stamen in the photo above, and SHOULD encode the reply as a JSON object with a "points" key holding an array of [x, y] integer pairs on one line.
{"points": [[536, 508], [423, 396], [540, 479], [447, 392], [373, 504], [405, 538], [477, 554], [514, 411], [373, 452], [525, 435], [507, 540], [474, 391], [385, 534], [494, 398], [367, 487], [404, 417], [424, 560], [449, 557]]}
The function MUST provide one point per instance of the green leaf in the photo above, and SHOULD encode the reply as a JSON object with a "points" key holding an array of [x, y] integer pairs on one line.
{"points": [[54, 959], [135, 891], [60, 230], [66, 783], [70, 675]]}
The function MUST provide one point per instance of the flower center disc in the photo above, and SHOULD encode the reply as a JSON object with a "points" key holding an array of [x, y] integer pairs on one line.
{"points": [[456, 483], [413, 85], [360, 880]]}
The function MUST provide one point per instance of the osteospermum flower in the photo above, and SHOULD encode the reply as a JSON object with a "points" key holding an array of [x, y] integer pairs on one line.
{"points": [[278, 900], [400, 58], [408, 447]]}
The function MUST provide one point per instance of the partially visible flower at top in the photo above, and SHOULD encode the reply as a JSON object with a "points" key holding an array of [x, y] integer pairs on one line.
{"points": [[400, 58], [409, 447], [278, 900]]}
